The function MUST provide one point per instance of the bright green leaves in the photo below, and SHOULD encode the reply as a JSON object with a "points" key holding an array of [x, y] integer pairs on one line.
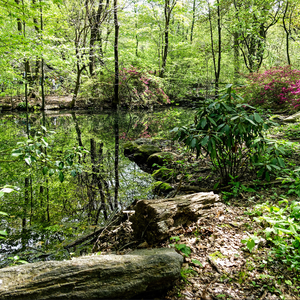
{"points": [[35, 153], [181, 247], [6, 190], [284, 229]]}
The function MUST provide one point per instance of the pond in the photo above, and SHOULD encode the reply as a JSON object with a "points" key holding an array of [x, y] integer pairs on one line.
{"points": [[69, 175]]}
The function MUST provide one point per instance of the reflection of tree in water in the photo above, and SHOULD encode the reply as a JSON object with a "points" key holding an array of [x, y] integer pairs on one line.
{"points": [[89, 198]]}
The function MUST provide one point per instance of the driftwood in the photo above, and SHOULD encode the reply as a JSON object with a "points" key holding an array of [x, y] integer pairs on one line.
{"points": [[92, 277], [155, 219]]}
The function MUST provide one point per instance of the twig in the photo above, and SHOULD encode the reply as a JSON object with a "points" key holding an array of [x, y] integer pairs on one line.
{"points": [[264, 295]]}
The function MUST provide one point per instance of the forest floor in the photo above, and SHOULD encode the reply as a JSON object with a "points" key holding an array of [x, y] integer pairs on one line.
{"points": [[220, 266]]}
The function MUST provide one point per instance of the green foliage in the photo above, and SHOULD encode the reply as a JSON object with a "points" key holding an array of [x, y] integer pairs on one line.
{"points": [[227, 132], [137, 88], [34, 152], [271, 160], [181, 247], [17, 261], [237, 189], [251, 241], [283, 230]]}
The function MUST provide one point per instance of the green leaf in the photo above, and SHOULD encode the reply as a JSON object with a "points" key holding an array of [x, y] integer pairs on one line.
{"points": [[45, 170], [197, 262], [212, 121], [61, 165], [175, 238], [193, 143], [184, 249], [3, 232], [204, 141], [73, 173], [257, 118], [61, 176], [249, 120], [203, 122], [51, 172], [250, 244], [281, 162], [28, 161]]}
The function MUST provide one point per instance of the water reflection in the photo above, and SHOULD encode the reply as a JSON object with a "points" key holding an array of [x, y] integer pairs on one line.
{"points": [[47, 210]]}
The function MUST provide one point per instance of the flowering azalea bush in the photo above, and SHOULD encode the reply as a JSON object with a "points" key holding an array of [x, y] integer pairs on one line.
{"points": [[136, 88], [276, 87], [140, 87]]}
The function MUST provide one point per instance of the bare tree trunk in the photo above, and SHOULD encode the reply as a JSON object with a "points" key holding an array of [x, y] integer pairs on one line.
{"points": [[117, 184], [217, 63], [26, 201], [287, 33], [42, 60], [169, 6], [193, 19], [116, 100], [236, 61]]}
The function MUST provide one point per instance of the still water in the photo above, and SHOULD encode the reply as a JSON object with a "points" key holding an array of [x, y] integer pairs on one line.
{"points": [[69, 175]]}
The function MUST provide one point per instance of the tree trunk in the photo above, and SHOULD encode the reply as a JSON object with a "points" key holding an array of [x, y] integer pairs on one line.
{"points": [[116, 54], [116, 128], [155, 219], [236, 61], [287, 34], [217, 63], [193, 19], [77, 85], [93, 277]]}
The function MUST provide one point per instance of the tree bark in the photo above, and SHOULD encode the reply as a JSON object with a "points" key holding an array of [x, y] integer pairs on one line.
{"points": [[193, 19], [169, 6], [155, 219], [93, 277], [116, 99]]}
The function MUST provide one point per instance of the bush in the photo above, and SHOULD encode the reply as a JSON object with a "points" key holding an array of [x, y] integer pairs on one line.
{"points": [[276, 87], [226, 132], [136, 87]]}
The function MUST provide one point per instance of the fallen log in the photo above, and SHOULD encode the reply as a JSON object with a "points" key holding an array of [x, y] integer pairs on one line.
{"points": [[92, 277], [155, 219]]}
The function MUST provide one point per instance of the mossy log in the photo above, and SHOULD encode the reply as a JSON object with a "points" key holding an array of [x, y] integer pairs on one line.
{"points": [[92, 277], [155, 219]]}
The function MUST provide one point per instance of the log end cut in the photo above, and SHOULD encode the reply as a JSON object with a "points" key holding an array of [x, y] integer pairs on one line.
{"points": [[154, 219]]}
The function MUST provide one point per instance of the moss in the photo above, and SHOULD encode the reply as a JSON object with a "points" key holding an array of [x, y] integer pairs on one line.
{"points": [[147, 150], [217, 254], [162, 186], [130, 147], [160, 158], [164, 173]]}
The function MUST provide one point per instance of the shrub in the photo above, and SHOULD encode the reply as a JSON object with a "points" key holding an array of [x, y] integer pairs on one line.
{"points": [[276, 87], [226, 132], [136, 87]]}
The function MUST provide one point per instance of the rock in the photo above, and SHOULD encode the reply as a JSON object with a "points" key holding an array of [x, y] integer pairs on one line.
{"points": [[164, 173], [155, 219], [130, 148], [139, 153], [92, 277], [147, 150], [160, 158]]}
